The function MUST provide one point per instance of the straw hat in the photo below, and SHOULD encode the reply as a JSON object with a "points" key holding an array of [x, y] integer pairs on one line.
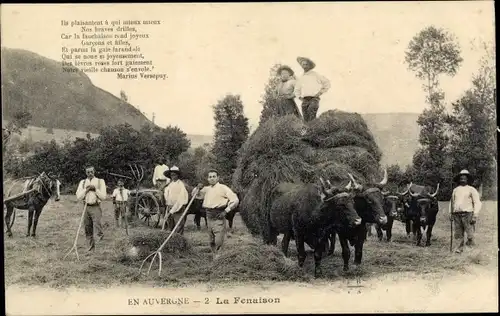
{"points": [[284, 67], [301, 59], [175, 169], [464, 172]]}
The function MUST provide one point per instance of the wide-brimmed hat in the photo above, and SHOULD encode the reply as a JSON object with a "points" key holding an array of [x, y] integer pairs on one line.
{"points": [[284, 67], [301, 59], [464, 172], [175, 169]]}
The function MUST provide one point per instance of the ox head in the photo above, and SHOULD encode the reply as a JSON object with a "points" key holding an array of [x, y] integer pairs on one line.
{"points": [[393, 202], [421, 202], [374, 198], [340, 198]]}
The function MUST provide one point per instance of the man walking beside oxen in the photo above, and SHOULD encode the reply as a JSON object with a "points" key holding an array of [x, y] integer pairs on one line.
{"points": [[465, 205], [92, 191]]}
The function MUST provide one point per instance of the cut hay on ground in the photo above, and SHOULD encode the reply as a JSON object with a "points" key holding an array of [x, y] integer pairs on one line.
{"points": [[285, 149], [143, 243], [255, 262]]}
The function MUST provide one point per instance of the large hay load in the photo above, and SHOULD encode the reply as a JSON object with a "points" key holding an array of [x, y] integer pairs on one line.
{"points": [[285, 149]]}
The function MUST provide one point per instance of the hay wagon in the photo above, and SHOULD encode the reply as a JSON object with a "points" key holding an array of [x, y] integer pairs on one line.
{"points": [[147, 205]]}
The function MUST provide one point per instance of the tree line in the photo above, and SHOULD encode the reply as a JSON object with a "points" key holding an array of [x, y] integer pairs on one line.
{"points": [[461, 138], [119, 146]]}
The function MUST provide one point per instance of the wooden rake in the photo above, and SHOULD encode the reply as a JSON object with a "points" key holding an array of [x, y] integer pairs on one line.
{"points": [[75, 243], [157, 253]]}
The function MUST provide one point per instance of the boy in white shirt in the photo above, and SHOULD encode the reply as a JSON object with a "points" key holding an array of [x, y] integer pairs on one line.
{"points": [[120, 199], [465, 205]]}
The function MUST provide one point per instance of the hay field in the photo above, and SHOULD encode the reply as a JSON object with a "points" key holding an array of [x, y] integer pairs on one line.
{"points": [[38, 261]]}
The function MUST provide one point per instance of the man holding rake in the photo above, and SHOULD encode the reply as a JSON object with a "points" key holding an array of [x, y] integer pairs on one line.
{"points": [[92, 191]]}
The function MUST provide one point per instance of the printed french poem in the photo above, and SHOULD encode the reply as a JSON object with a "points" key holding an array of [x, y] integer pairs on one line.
{"points": [[108, 46]]}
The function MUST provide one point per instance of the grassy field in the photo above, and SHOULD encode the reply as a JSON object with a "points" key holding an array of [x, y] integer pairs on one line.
{"points": [[39, 261]]}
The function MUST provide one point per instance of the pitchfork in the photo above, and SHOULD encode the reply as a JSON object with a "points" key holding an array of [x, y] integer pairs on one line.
{"points": [[157, 253]]}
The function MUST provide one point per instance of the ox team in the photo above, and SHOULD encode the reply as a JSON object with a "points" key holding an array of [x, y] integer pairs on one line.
{"points": [[217, 202]]}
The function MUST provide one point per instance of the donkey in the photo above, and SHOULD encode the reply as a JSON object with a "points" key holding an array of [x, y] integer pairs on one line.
{"points": [[44, 187]]}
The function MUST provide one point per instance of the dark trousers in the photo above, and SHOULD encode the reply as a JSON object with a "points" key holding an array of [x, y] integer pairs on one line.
{"points": [[462, 222], [93, 216], [217, 227], [310, 106], [120, 213], [173, 219], [288, 106]]}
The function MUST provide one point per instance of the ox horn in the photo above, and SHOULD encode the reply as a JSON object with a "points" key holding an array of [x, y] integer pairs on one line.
{"points": [[408, 189], [412, 194], [348, 186], [435, 193], [384, 180], [322, 182], [356, 185]]}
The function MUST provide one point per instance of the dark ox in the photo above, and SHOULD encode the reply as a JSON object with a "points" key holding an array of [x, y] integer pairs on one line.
{"points": [[196, 209], [45, 187], [307, 212], [393, 207], [368, 203], [422, 212]]}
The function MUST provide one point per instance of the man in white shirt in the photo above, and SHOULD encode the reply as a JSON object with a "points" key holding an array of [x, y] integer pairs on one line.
{"points": [[309, 88], [219, 200], [92, 191], [465, 205], [160, 180], [120, 199], [176, 198]]}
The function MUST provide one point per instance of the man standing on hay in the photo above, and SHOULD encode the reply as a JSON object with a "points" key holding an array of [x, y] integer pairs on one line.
{"points": [[92, 191], [218, 202], [285, 92], [159, 178], [120, 198], [176, 196], [309, 88], [465, 205]]}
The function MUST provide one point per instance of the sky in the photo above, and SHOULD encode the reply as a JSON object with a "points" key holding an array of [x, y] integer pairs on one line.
{"points": [[210, 50]]}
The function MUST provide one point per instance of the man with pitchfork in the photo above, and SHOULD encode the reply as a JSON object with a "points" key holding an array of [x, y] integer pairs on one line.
{"points": [[92, 191], [465, 205], [176, 197]]}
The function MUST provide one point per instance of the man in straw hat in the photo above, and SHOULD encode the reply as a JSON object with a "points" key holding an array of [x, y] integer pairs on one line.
{"points": [[219, 200], [176, 196], [465, 204], [92, 191], [309, 88], [285, 92]]}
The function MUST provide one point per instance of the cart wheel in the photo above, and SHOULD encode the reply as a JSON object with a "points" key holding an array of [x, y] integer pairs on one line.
{"points": [[148, 209]]}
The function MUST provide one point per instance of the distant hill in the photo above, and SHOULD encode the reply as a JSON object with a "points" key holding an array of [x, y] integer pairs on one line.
{"points": [[57, 99], [396, 134], [73, 106]]}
